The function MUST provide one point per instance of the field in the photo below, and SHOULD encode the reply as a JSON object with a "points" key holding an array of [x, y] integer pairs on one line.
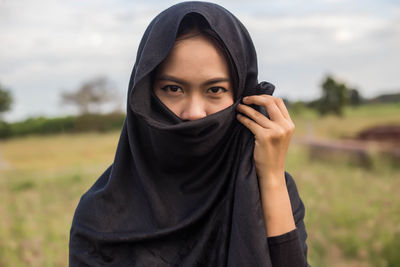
{"points": [[352, 212]]}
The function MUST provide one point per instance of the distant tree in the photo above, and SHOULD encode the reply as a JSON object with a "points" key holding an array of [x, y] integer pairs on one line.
{"points": [[384, 98], [5, 100], [90, 96], [355, 99], [334, 97]]}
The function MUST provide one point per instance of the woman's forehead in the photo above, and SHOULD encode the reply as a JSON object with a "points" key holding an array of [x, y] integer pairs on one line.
{"points": [[196, 56]]}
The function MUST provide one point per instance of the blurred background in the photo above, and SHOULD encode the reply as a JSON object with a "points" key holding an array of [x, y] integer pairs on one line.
{"points": [[64, 73]]}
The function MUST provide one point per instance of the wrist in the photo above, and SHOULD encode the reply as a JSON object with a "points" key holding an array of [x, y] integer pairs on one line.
{"points": [[272, 180]]}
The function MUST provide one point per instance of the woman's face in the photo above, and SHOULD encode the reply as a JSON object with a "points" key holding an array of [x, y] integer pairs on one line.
{"points": [[194, 81]]}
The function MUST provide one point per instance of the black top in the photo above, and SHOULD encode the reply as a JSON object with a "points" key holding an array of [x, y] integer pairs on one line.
{"points": [[183, 193], [286, 250]]}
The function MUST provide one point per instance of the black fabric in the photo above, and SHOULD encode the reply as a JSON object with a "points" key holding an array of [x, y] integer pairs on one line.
{"points": [[179, 193], [286, 251]]}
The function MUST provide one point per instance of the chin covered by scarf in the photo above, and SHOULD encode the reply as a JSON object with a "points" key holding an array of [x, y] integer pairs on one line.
{"points": [[180, 193]]}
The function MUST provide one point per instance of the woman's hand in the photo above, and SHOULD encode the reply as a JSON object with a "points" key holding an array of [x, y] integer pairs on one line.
{"points": [[272, 136]]}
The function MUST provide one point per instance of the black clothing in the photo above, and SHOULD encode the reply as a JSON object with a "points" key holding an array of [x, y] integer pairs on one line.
{"points": [[285, 250], [180, 193]]}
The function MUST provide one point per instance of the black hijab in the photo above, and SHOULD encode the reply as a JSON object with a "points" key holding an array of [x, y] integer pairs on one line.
{"points": [[179, 193]]}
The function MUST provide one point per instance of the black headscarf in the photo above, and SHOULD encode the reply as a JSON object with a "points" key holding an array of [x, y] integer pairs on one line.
{"points": [[179, 193]]}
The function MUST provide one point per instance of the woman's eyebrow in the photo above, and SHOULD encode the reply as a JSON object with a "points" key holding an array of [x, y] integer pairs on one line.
{"points": [[172, 79], [183, 82], [216, 80]]}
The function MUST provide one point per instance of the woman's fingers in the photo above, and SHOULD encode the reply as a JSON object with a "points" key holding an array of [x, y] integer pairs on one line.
{"points": [[254, 127], [268, 103], [256, 116], [282, 107], [272, 136], [279, 116]]}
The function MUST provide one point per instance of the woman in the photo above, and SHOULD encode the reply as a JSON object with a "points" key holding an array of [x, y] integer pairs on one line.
{"points": [[198, 178]]}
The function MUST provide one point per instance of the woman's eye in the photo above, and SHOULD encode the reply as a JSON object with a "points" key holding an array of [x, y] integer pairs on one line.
{"points": [[217, 90], [172, 89]]}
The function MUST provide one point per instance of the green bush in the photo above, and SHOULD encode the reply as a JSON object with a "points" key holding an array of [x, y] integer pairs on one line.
{"points": [[5, 130], [98, 122], [69, 124]]}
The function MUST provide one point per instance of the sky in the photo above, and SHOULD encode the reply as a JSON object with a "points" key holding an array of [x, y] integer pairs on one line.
{"points": [[52, 46]]}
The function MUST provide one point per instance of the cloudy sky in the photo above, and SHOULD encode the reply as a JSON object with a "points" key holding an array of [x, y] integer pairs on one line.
{"points": [[51, 46]]}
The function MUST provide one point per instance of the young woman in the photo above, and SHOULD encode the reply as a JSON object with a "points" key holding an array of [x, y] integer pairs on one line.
{"points": [[198, 178]]}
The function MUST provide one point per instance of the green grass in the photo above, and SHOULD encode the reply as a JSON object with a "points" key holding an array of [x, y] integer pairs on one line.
{"points": [[39, 190], [352, 213]]}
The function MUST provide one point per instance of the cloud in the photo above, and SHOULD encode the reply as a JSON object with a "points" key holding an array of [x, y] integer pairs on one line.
{"points": [[55, 45], [297, 51]]}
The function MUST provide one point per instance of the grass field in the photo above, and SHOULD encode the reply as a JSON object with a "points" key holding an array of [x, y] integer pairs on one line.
{"points": [[352, 213]]}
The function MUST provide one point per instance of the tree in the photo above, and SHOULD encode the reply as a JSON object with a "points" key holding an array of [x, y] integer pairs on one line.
{"points": [[355, 99], [90, 96], [5, 99], [334, 97]]}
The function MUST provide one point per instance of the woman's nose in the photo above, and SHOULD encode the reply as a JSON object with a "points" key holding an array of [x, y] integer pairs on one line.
{"points": [[193, 109]]}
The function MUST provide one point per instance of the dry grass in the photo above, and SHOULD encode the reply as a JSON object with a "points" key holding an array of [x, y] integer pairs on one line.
{"points": [[308, 123], [40, 188]]}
